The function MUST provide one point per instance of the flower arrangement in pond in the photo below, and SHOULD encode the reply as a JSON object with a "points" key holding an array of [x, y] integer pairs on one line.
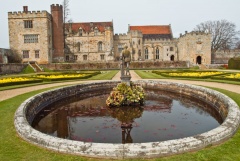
{"points": [[193, 74], [126, 95], [234, 76], [15, 79]]}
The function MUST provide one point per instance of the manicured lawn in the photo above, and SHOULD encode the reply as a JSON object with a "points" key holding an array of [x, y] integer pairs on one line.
{"points": [[148, 75], [105, 75], [14, 148]]}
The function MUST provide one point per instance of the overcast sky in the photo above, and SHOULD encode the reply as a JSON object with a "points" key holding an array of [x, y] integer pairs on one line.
{"points": [[183, 15]]}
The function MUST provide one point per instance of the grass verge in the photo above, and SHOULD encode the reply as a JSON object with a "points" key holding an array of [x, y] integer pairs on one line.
{"points": [[105, 75], [148, 74]]}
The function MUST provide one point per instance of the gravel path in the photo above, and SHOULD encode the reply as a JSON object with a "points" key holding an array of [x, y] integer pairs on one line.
{"points": [[14, 92], [6, 94]]}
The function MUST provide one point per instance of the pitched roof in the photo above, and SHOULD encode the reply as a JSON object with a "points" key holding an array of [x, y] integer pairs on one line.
{"points": [[86, 26], [152, 30]]}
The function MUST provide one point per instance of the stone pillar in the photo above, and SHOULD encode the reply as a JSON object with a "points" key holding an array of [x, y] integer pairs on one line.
{"points": [[125, 74]]}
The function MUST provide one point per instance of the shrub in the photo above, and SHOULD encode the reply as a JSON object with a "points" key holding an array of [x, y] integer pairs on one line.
{"points": [[126, 95], [234, 63], [28, 70]]}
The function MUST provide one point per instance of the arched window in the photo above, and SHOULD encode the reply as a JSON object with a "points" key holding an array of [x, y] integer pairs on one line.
{"points": [[139, 53], [100, 46], [139, 42], [157, 53], [146, 53], [172, 58]]}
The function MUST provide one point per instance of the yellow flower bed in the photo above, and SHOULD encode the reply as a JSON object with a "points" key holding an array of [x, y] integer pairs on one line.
{"points": [[62, 76], [16, 79], [235, 76], [194, 74]]}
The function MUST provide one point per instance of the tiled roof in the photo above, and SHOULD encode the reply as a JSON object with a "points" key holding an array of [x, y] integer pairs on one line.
{"points": [[86, 26], [150, 30]]}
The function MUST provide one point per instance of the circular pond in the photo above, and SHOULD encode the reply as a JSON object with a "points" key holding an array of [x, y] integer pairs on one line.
{"points": [[40, 112], [165, 116]]}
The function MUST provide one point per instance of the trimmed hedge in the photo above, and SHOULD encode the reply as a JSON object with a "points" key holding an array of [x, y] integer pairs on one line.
{"points": [[36, 79], [19, 83], [166, 74]]}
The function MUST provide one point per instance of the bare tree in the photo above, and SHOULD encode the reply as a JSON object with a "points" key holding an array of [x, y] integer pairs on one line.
{"points": [[237, 45], [224, 33], [66, 11]]}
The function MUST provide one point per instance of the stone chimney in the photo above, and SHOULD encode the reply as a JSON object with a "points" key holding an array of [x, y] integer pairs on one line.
{"points": [[58, 37], [25, 8]]}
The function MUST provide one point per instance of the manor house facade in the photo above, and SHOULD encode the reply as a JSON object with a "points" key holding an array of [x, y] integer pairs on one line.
{"points": [[43, 37]]}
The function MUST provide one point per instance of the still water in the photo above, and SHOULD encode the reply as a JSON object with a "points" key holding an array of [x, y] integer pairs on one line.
{"points": [[164, 116]]}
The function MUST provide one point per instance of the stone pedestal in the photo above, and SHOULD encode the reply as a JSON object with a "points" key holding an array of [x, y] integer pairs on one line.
{"points": [[126, 79]]}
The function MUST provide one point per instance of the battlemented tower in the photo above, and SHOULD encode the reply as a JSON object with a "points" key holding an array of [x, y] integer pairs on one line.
{"points": [[57, 29], [30, 35]]}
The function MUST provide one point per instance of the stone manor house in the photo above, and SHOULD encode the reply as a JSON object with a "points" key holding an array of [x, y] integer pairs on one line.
{"points": [[42, 37]]}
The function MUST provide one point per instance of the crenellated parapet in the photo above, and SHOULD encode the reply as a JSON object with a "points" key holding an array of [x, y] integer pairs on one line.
{"points": [[29, 14], [121, 36], [56, 7], [194, 33]]}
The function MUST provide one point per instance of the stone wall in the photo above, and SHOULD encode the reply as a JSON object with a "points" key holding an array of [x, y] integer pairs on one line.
{"points": [[226, 107], [222, 56], [11, 68], [116, 65]]}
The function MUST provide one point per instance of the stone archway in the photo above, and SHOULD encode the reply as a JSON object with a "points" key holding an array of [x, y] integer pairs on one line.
{"points": [[199, 60], [172, 58]]}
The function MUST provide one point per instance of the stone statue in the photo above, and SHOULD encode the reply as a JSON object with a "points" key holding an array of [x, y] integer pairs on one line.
{"points": [[126, 59]]}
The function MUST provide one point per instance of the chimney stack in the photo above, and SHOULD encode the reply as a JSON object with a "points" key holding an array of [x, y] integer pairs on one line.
{"points": [[25, 8]]}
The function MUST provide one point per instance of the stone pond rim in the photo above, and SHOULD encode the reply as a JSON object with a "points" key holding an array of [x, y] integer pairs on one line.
{"points": [[226, 107]]}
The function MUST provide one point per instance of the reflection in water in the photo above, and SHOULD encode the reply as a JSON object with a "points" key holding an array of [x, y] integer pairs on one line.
{"points": [[126, 115], [164, 116]]}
